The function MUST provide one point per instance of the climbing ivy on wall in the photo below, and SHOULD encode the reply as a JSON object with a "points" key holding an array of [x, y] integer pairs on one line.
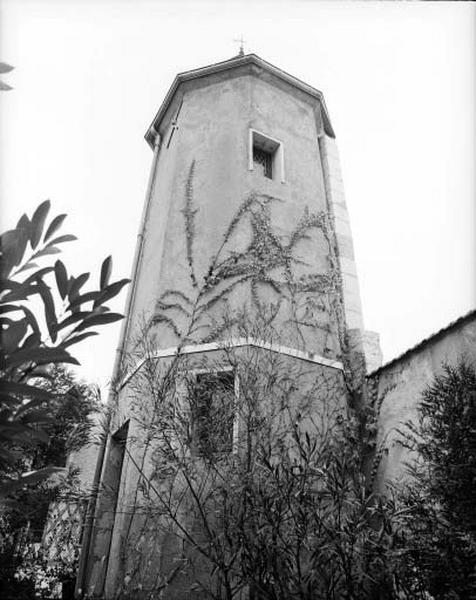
{"points": [[268, 262]]}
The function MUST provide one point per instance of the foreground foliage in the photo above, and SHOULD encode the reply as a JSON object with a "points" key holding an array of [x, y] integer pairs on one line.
{"points": [[24, 565], [276, 507], [44, 311], [439, 544], [42, 315]]}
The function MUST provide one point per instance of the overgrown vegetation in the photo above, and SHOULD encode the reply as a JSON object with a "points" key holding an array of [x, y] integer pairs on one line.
{"points": [[285, 512], [265, 271], [30, 564], [439, 542], [245, 468], [34, 339], [44, 411]]}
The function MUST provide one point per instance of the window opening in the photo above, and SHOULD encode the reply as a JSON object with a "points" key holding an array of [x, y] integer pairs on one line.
{"points": [[263, 160], [213, 413], [266, 155]]}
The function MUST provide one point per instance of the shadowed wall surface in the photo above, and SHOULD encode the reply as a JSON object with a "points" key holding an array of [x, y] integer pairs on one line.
{"points": [[398, 385]]}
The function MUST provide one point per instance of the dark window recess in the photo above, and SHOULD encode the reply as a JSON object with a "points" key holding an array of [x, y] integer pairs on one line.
{"points": [[264, 161], [212, 407]]}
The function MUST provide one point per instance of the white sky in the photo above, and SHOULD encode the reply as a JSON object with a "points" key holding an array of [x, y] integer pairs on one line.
{"points": [[399, 82]]}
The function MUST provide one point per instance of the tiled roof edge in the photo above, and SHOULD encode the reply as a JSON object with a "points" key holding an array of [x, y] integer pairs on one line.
{"points": [[464, 318]]}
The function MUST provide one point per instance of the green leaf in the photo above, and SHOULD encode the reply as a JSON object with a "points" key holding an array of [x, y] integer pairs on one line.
{"points": [[10, 243], [54, 226], [26, 266], [61, 278], [45, 251], [6, 308], [39, 356], [9, 284], [111, 291], [61, 239], [76, 284], [99, 320], [32, 322], [5, 67], [24, 229], [33, 339], [74, 318], [106, 269], [29, 317], [38, 274], [50, 314], [13, 335], [20, 292], [8, 388], [37, 223], [78, 338], [88, 297]]}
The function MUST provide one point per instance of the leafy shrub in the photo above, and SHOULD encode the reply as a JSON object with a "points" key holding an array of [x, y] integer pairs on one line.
{"points": [[32, 342], [439, 541]]}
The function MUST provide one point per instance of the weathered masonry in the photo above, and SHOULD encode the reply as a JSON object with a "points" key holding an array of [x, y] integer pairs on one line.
{"points": [[245, 200], [397, 385]]}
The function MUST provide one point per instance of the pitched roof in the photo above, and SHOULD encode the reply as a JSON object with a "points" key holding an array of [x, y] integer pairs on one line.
{"points": [[233, 63], [441, 332]]}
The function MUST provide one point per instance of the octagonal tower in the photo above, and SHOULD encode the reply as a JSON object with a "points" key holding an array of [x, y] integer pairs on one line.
{"points": [[226, 132], [244, 215]]}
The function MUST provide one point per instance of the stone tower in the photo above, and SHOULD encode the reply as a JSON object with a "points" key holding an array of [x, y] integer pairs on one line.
{"points": [[245, 200], [229, 130]]}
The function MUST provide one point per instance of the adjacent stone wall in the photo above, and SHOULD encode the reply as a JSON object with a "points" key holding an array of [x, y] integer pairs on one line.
{"points": [[398, 385], [372, 350]]}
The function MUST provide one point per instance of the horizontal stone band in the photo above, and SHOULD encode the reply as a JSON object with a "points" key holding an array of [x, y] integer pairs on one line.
{"points": [[240, 342]]}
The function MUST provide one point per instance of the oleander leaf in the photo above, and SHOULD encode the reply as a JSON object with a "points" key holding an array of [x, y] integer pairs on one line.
{"points": [[106, 269], [61, 277], [54, 226], [37, 223], [102, 319]]}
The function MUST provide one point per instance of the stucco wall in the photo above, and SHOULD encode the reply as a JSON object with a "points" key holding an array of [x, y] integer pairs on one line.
{"points": [[213, 132], [400, 384]]}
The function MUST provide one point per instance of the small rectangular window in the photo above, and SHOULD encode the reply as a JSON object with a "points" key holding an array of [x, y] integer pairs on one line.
{"points": [[266, 156], [263, 160], [213, 413]]}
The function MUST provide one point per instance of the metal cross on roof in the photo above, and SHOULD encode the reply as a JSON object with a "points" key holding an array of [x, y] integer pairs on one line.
{"points": [[241, 41]]}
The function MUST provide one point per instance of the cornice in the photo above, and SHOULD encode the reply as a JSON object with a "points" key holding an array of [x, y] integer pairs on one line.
{"points": [[240, 342]]}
